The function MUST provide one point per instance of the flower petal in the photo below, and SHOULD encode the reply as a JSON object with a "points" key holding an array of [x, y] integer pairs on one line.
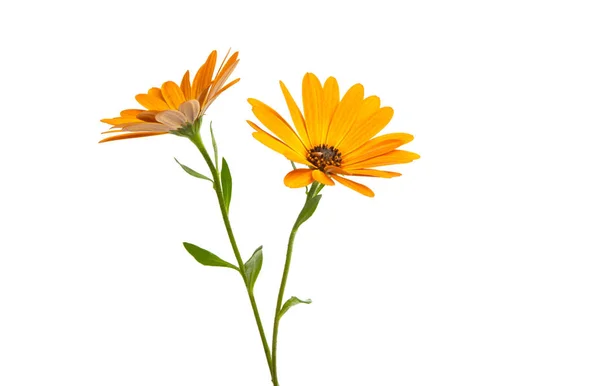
{"points": [[274, 144], [186, 87], [172, 94], [372, 173], [345, 114], [312, 100], [360, 188], [131, 135], [275, 122], [204, 75], [298, 178], [378, 146], [146, 126], [191, 109], [151, 102], [171, 118], [331, 100], [359, 134], [321, 177], [296, 114], [391, 158]]}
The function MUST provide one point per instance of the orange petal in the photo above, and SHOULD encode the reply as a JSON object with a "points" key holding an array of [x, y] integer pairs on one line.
{"points": [[312, 99], [119, 120], [172, 94], [131, 112], [372, 173], [274, 144], [360, 188], [321, 177], [275, 122], [359, 134], [298, 178], [331, 99], [151, 102], [296, 114], [345, 114], [131, 135], [186, 87], [377, 146], [204, 76], [391, 158]]}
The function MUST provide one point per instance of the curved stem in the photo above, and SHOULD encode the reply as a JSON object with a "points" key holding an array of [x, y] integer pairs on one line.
{"points": [[286, 269], [219, 190]]}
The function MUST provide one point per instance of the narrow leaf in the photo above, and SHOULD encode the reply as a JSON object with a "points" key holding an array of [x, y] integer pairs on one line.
{"points": [[309, 209], [290, 303], [253, 266], [214, 143], [205, 257], [226, 184], [192, 172]]}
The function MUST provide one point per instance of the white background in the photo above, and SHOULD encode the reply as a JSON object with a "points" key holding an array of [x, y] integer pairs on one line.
{"points": [[480, 266]]}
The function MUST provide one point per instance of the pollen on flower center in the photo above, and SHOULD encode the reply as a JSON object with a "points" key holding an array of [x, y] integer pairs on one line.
{"points": [[322, 156]]}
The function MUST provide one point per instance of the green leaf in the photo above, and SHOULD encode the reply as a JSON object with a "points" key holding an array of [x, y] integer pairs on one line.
{"points": [[192, 172], [290, 303], [205, 257], [226, 184], [308, 210], [214, 143], [252, 267]]}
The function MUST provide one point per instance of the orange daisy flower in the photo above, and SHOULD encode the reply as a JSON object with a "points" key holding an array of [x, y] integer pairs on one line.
{"points": [[333, 137], [172, 106]]}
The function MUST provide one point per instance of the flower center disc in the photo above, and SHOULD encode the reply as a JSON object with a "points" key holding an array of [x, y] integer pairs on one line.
{"points": [[322, 156]]}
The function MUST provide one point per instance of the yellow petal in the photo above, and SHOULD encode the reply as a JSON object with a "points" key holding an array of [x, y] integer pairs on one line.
{"points": [[360, 188], [391, 158], [186, 87], [321, 177], [296, 114], [312, 99], [345, 114], [331, 100], [275, 122], [298, 178], [172, 94], [359, 134], [274, 144], [377, 146], [372, 173]]}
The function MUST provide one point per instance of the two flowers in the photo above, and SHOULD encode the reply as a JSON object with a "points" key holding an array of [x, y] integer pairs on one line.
{"points": [[333, 137]]}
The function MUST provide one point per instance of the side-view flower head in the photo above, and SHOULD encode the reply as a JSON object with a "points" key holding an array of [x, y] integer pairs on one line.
{"points": [[173, 106], [333, 137]]}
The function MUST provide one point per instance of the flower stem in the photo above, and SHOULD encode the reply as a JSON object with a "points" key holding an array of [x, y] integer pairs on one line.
{"points": [[315, 188], [196, 139]]}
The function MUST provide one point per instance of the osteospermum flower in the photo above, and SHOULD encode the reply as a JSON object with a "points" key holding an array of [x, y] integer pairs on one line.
{"points": [[333, 138], [173, 104]]}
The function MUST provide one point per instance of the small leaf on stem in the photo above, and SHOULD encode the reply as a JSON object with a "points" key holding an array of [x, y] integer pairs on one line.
{"points": [[253, 266], [290, 303], [226, 184], [205, 257], [308, 210], [192, 172], [214, 143]]}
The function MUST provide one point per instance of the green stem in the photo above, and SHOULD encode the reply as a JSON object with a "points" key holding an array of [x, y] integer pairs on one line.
{"points": [[286, 269], [197, 140]]}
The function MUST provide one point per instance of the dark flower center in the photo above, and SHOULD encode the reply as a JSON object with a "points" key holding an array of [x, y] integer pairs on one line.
{"points": [[322, 156]]}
